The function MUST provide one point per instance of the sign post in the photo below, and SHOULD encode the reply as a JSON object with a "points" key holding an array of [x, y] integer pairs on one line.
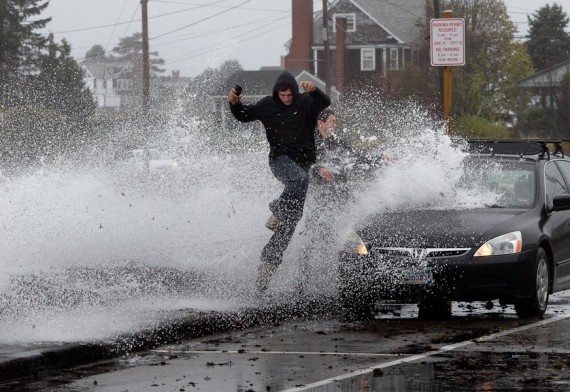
{"points": [[447, 49]]}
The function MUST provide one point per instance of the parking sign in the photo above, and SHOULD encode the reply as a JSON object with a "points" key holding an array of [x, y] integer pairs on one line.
{"points": [[447, 41]]}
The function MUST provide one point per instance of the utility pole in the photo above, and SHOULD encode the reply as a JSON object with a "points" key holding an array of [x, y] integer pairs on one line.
{"points": [[327, 53], [447, 85], [440, 72], [145, 65], [146, 85]]}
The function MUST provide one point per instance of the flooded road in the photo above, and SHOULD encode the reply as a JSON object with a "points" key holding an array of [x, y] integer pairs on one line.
{"points": [[477, 349]]}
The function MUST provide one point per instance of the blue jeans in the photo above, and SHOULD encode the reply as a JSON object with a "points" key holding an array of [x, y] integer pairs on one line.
{"points": [[288, 207]]}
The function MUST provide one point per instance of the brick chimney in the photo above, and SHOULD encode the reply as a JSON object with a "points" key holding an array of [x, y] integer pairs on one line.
{"points": [[299, 56], [340, 53]]}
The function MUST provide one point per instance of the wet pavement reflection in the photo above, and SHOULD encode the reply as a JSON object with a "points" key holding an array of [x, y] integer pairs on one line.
{"points": [[479, 348]]}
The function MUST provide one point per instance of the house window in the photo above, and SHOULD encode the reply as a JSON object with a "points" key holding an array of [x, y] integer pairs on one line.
{"points": [[394, 59], [415, 57], [350, 21], [367, 59], [124, 84]]}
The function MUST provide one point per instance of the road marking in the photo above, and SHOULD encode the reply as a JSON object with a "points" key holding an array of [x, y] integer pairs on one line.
{"points": [[275, 352], [418, 357]]}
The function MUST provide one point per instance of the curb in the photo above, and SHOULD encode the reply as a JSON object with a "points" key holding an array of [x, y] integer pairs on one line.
{"points": [[185, 327]]}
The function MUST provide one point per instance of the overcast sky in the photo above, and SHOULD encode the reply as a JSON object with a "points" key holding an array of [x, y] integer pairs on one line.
{"points": [[191, 35]]}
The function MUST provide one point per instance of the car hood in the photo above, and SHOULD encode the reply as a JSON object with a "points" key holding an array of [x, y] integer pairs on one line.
{"points": [[434, 228]]}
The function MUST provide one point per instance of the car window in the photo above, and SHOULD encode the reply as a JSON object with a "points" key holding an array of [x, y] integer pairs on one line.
{"points": [[564, 166], [554, 183], [513, 182]]}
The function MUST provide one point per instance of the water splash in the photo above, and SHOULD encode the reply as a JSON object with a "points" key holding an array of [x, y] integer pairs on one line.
{"points": [[91, 248]]}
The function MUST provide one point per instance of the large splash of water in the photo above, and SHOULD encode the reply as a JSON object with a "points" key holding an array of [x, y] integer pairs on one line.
{"points": [[88, 250]]}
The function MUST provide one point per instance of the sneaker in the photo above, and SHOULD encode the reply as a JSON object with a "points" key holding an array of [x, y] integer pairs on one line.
{"points": [[273, 223], [264, 273]]}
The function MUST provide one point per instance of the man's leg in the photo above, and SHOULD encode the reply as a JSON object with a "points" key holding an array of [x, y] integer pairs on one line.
{"points": [[289, 209]]}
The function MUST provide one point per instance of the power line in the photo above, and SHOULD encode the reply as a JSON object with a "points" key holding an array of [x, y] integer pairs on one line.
{"points": [[201, 20], [137, 20], [219, 46], [209, 32], [114, 28], [131, 21], [205, 33], [220, 6]]}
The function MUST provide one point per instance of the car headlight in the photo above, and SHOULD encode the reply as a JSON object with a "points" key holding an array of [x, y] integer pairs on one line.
{"points": [[502, 245], [354, 245]]}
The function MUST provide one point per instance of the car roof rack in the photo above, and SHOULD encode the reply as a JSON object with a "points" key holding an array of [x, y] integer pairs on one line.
{"points": [[518, 147]]}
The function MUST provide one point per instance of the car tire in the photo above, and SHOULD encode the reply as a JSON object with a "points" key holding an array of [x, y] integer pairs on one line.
{"points": [[356, 304], [434, 309], [536, 304]]}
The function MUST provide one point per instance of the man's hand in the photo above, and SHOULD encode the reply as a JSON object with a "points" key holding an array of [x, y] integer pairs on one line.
{"points": [[233, 98], [326, 174], [308, 86]]}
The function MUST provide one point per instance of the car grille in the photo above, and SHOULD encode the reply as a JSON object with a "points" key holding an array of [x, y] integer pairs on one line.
{"points": [[420, 253]]}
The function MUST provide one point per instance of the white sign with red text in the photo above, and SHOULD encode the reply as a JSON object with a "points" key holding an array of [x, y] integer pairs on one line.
{"points": [[447, 41]]}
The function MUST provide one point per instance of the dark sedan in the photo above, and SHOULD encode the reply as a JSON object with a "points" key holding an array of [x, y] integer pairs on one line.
{"points": [[516, 249]]}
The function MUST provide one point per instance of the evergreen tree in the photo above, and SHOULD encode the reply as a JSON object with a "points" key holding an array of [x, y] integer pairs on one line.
{"points": [[129, 53], [60, 85], [563, 104], [19, 43], [96, 54], [548, 42], [129, 50]]}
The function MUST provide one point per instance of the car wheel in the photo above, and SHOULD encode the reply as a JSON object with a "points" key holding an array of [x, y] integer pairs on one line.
{"points": [[434, 309], [536, 304], [356, 304]]}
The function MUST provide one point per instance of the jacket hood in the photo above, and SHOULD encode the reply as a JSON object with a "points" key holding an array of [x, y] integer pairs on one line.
{"points": [[286, 79]]}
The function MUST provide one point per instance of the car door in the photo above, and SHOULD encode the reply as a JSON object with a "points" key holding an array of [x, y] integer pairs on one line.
{"points": [[559, 222]]}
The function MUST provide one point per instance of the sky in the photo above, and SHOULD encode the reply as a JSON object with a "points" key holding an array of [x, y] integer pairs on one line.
{"points": [[192, 35]]}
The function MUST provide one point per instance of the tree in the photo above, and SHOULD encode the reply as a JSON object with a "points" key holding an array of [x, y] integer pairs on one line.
{"points": [[130, 50], [548, 42], [60, 85], [486, 85], [563, 104], [96, 54], [19, 44]]}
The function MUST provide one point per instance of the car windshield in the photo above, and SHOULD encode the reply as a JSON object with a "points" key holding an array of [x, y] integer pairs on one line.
{"points": [[512, 182]]}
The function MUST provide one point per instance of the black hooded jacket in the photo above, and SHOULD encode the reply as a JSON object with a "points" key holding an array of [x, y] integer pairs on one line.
{"points": [[289, 129]]}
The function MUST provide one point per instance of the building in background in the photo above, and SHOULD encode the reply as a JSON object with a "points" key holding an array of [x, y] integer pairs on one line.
{"points": [[380, 37]]}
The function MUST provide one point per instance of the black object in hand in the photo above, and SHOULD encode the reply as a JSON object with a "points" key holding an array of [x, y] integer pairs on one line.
{"points": [[238, 89]]}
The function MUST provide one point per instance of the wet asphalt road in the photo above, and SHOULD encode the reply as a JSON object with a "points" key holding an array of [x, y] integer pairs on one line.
{"points": [[478, 349]]}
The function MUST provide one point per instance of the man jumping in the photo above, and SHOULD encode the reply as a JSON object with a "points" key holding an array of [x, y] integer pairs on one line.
{"points": [[289, 118]]}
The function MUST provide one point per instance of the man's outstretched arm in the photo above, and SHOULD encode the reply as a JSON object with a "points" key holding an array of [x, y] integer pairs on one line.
{"points": [[243, 113]]}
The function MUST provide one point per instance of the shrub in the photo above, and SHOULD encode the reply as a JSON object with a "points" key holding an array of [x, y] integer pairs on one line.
{"points": [[476, 127]]}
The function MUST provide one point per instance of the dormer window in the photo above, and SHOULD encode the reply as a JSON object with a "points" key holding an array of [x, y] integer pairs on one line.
{"points": [[350, 21]]}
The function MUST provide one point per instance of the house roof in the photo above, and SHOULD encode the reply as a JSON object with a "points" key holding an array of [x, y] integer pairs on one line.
{"points": [[547, 77], [396, 21], [400, 18], [104, 70], [110, 70]]}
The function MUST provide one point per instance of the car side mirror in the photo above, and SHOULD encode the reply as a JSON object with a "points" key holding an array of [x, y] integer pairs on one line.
{"points": [[561, 203]]}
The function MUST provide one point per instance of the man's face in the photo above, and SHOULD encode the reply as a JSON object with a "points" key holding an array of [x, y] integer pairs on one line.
{"points": [[327, 127], [286, 97]]}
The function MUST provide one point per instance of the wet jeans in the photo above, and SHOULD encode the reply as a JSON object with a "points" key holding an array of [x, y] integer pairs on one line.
{"points": [[288, 207]]}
